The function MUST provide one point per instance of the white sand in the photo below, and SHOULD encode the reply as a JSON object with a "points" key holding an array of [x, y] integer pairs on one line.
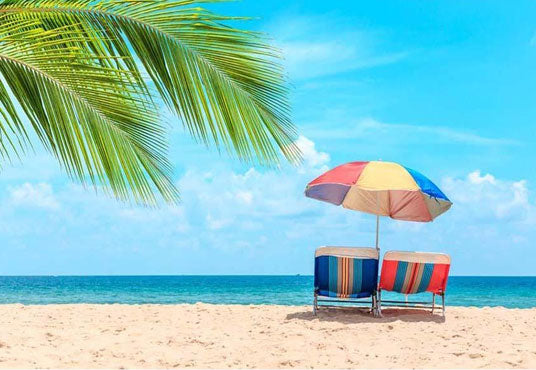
{"points": [[207, 336]]}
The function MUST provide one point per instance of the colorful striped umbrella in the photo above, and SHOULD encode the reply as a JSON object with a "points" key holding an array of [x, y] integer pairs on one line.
{"points": [[382, 189]]}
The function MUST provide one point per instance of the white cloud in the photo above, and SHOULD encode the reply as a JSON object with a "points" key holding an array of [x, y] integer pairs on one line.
{"points": [[216, 224], [488, 199], [488, 213], [41, 166], [244, 197], [314, 59], [314, 46], [229, 195], [519, 204], [242, 208], [173, 218], [238, 220], [400, 132], [311, 156], [476, 178], [38, 195]]}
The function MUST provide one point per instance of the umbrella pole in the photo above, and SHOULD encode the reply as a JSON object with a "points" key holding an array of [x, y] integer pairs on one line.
{"points": [[378, 222], [377, 232]]}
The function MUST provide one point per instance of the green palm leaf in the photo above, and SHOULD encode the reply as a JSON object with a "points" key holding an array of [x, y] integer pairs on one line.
{"points": [[93, 117], [226, 84]]}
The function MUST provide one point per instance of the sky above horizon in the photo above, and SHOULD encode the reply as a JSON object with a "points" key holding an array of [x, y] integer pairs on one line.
{"points": [[444, 87]]}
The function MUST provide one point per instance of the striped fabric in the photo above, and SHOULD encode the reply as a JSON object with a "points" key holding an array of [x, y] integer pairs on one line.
{"points": [[380, 188], [345, 277], [414, 277]]}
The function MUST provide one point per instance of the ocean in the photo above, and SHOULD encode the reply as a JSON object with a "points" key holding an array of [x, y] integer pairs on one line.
{"points": [[511, 292]]}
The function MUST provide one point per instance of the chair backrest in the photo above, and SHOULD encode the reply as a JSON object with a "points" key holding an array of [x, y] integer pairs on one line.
{"points": [[415, 272], [346, 272]]}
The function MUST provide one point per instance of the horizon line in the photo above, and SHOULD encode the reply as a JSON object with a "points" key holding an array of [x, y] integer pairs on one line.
{"points": [[214, 275]]}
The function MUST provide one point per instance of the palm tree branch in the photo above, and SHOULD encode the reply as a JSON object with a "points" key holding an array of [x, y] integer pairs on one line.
{"points": [[204, 55], [11, 128], [87, 116]]}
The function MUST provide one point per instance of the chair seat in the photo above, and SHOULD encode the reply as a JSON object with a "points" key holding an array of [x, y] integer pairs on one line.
{"points": [[327, 293]]}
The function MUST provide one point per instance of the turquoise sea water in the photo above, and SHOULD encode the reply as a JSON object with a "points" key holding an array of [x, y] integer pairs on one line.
{"points": [[512, 292]]}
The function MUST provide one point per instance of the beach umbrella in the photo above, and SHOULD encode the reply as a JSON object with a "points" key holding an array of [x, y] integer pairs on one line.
{"points": [[381, 188]]}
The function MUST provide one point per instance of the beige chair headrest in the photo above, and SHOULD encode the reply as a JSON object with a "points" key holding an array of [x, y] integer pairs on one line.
{"points": [[354, 252], [421, 257]]}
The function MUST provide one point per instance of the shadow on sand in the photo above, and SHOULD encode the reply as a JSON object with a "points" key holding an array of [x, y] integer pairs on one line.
{"points": [[353, 315]]}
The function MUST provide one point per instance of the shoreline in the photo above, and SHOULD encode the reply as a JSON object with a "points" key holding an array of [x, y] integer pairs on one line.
{"points": [[262, 336], [437, 311]]}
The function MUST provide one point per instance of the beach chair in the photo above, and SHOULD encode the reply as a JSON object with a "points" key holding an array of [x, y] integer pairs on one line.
{"points": [[345, 275], [414, 272]]}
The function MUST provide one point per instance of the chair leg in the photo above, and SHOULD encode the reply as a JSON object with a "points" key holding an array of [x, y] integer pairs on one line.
{"points": [[443, 303], [433, 302], [315, 305], [379, 304]]}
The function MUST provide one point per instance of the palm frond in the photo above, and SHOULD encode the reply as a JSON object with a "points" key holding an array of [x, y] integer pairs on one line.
{"points": [[226, 84], [13, 136], [93, 117]]}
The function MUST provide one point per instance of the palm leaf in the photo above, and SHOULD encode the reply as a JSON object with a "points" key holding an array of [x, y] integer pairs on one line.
{"points": [[227, 85], [93, 117]]}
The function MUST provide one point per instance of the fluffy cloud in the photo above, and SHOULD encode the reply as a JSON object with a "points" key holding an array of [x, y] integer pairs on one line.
{"points": [[476, 178], [258, 210], [311, 156], [226, 212], [484, 197], [245, 220], [38, 195]]}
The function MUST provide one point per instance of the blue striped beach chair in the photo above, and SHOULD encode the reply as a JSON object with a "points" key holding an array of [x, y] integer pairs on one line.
{"points": [[345, 275]]}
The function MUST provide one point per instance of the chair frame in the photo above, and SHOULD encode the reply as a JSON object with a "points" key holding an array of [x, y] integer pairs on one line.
{"points": [[352, 302], [412, 304]]}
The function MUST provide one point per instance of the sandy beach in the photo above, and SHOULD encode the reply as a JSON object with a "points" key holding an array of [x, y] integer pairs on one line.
{"points": [[210, 336]]}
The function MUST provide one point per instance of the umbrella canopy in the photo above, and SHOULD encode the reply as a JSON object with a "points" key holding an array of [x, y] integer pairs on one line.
{"points": [[381, 188]]}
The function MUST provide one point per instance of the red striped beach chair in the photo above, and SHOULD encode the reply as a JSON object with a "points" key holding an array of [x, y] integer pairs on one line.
{"points": [[414, 272], [345, 275]]}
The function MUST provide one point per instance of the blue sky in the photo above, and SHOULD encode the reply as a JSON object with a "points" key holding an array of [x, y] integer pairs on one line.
{"points": [[445, 87]]}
